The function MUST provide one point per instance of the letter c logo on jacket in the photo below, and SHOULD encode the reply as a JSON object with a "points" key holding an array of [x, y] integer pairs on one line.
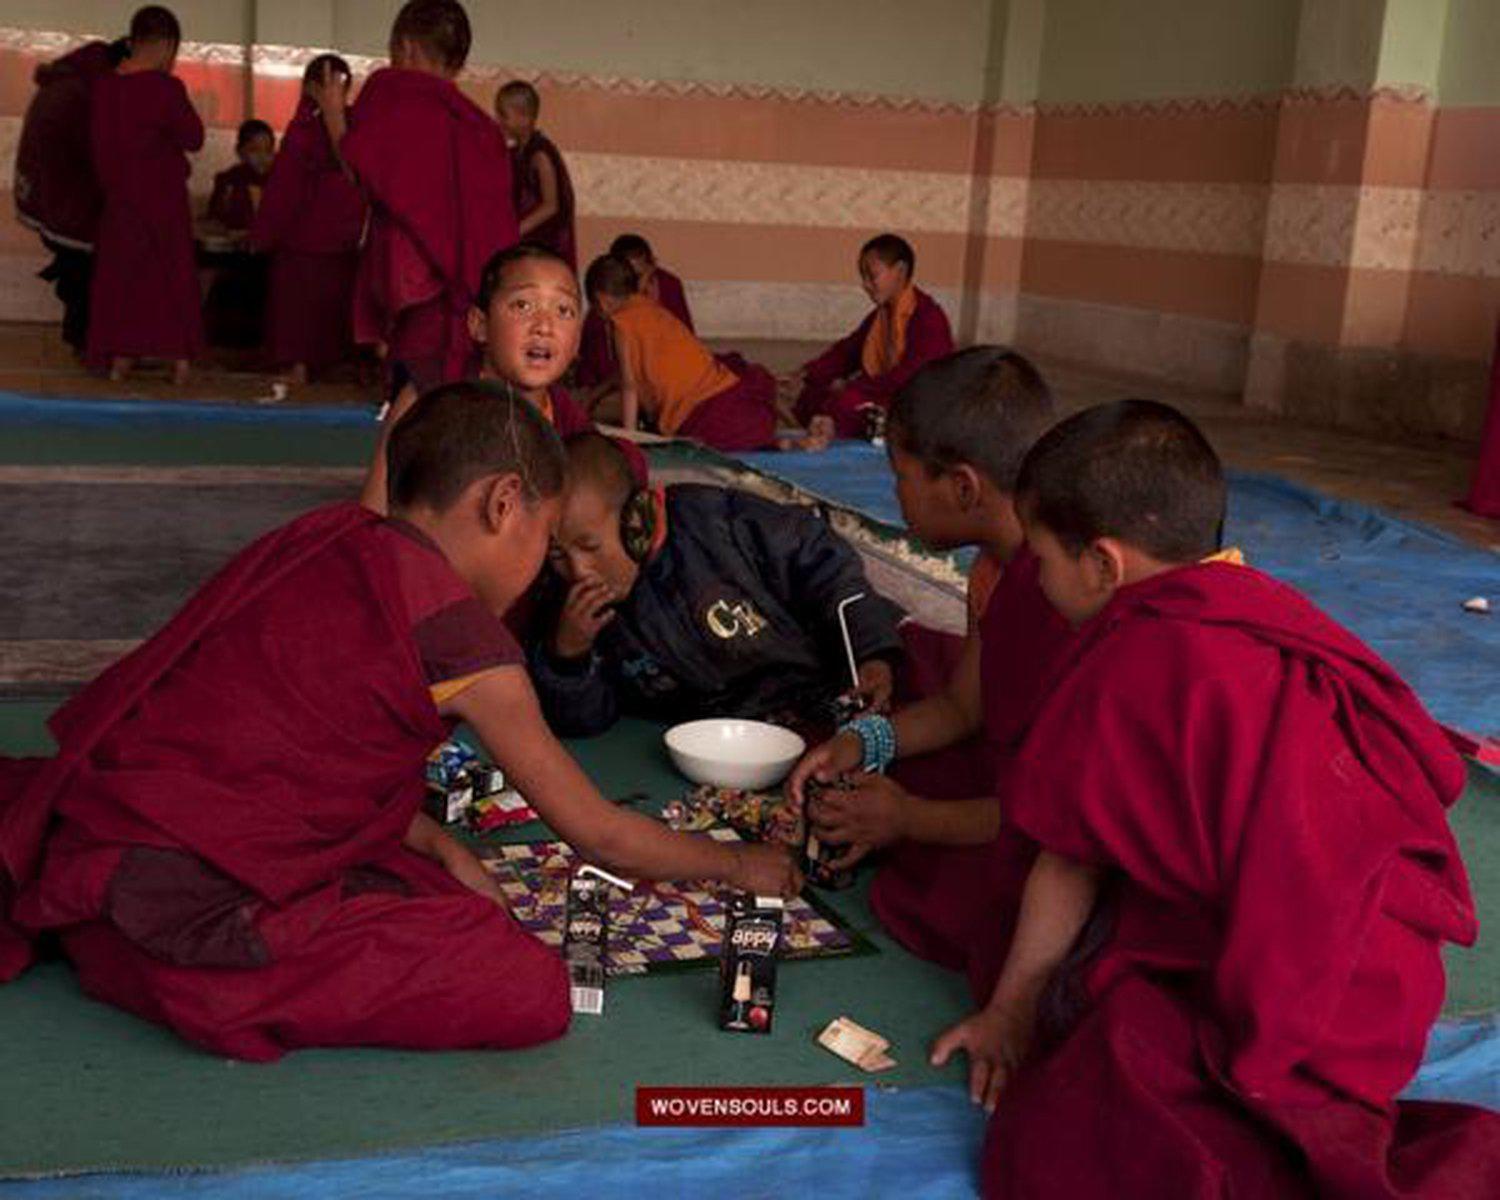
{"points": [[726, 621]]}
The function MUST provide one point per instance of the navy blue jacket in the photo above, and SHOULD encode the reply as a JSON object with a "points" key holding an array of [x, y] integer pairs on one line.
{"points": [[736, 615]]}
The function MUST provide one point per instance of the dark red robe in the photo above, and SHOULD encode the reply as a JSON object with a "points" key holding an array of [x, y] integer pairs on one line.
{"points": [[957, 905], [835, 384], [145, 301], [557, 232], [740, 418], [437, 171], [236, 196], [1269, 801], [56, 188], [596, 350], [310, 219], [1484, 492], [219, 840]]}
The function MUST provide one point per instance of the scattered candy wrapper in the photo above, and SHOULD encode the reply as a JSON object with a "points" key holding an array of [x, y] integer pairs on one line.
{"points": [[1478, 604], [852, 1042]]}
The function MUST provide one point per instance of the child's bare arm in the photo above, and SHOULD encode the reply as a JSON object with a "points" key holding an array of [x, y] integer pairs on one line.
{"points": [[1060, 894], [502, 708], [630, 396], [373, 494], [935, 723], [547, 206]]}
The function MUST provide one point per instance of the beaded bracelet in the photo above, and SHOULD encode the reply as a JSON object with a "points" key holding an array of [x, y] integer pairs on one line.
{"points": [[877, 740]]}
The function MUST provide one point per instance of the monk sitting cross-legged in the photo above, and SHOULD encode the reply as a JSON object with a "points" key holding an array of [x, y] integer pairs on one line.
{"points": [[230, 840]]}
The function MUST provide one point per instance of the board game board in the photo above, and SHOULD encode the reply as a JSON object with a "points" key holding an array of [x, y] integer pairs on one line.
{"points": [[658, 926]]}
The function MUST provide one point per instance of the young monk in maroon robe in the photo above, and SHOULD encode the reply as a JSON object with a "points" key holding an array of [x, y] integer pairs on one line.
{"points": [[437, 172], [310, 219], [543, 188], [231, 839], [56, 188], [145, 301], [1484, 492], [597, 369], [237, 189], [525, 331], [906, 331], [1229, 952], [670, 379], [950, 869]]}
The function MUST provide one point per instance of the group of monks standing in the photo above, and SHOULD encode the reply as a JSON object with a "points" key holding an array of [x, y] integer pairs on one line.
{"points": [[370, 227]]}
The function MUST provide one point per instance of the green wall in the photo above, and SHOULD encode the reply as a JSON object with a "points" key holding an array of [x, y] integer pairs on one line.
{"points": [[1144, 49], [930, 48], [1470, 71]]}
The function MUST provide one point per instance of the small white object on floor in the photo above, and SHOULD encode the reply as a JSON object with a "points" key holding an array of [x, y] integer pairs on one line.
{"points": [[279, 392], [852, 1042], [1478, 604]]}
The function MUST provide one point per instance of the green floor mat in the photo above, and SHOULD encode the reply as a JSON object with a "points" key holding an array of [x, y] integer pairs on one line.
{"points": [[88, 1088], [38, 445]]}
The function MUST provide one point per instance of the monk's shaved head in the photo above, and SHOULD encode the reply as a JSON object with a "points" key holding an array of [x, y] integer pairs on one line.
{"points": [[632, 245], [461, 432], [610, 276], [985, 406], [326, 66], [597, 463], [439, 27], [155, 23], [492, 278], [892, 250], [1137, 471], [522, 95]]}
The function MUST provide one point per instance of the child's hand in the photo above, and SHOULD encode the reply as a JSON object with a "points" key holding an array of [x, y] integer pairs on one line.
{"points": [[585, 612], [765, 870], [876, 683], [996, 1039], [825, 763], [327, 90], [872, 813]]}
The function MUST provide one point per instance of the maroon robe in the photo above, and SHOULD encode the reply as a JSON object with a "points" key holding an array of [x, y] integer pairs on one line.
{"points": [[835, 384], [596, 350], [957, 905], [145, 301], [236, 196], [437, 171], [1269, 802], [1484, 492], [220, 837], [557, 232], [740, 418], [57, 189], [310, 219], [567, 417]]}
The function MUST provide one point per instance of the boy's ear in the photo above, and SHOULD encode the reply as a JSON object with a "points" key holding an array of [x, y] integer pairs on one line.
{"points": [[499, 497], [968, 488], [1107, 563], [479, 324]]}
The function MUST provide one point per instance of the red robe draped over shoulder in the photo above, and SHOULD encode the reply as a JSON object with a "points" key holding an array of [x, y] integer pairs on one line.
{"points": [[957, 905], [145, 300], [437, 171], [836, 385], [557, 232], [1269, 800], [310, 220], [220, 839]]}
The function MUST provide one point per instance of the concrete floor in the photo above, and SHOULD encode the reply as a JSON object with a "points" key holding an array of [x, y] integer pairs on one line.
{"points": [[1417, 478]]}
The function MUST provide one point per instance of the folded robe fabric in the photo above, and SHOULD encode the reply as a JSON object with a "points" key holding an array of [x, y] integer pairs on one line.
{"points": [[1270, 801]]}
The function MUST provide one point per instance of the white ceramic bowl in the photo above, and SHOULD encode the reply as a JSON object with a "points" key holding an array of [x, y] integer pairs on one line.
{"points": [[730, 752]]}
